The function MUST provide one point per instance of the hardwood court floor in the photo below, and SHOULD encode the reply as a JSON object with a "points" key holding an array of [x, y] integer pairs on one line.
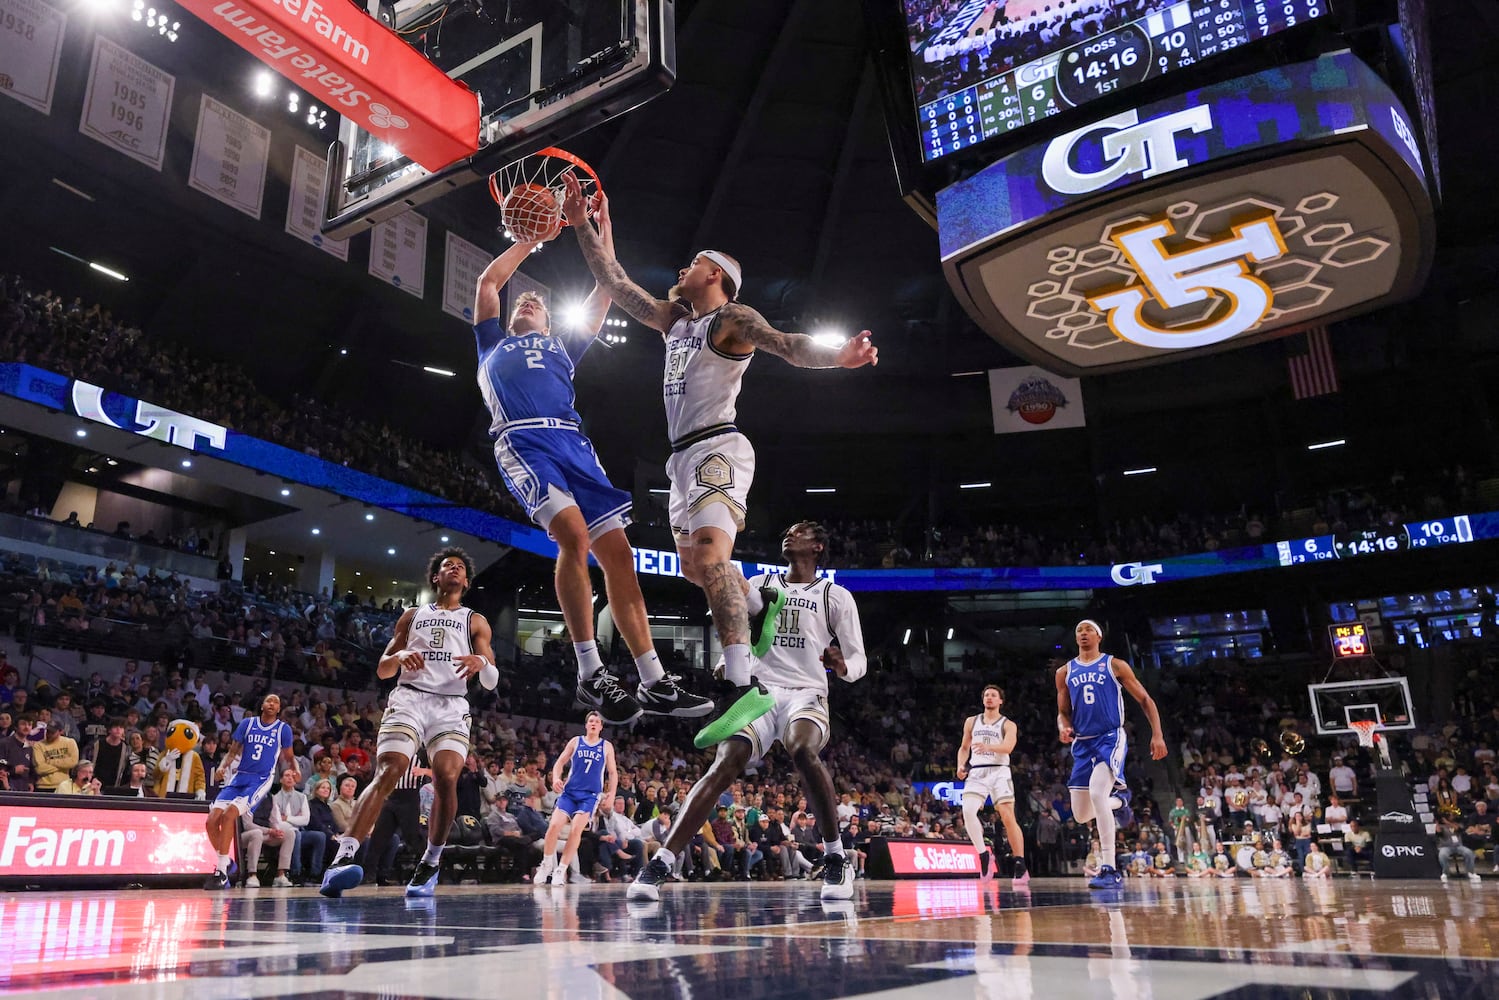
{"points": [[1173, 940]]}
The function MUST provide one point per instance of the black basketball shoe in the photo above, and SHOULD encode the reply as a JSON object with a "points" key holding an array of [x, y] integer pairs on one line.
{"points": [[605, 694]]}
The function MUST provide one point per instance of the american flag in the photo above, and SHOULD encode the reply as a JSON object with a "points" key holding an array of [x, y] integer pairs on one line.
{"points": [[1313, 370]]}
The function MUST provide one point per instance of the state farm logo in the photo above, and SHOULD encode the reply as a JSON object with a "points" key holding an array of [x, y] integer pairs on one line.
{"points": [[382, 117], [42, 847], [1401, 851], [943, 859]]}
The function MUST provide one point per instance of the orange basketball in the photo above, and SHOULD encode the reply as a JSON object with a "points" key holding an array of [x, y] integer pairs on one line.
{"points": [[531, 212]]}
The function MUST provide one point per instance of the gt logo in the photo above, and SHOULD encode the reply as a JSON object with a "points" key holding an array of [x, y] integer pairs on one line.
{"points": [[1131, 148], [1135, 574], [1173, 280]]}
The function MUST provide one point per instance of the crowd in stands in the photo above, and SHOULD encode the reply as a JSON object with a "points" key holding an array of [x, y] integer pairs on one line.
{"points": [[991, 42], [86, 342]]}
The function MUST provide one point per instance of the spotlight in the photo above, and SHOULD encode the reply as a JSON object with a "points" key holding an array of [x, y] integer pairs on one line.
{"points": [[264, 84], [573, 314], [187, 463], [369, 517]]}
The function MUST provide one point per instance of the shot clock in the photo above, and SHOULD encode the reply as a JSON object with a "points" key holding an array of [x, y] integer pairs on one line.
{"points": [[1349, 640]]}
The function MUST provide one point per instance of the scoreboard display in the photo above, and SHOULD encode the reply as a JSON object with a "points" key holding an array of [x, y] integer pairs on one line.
{"points": [[1374, 541], [1349, 640], [1172, 37]]}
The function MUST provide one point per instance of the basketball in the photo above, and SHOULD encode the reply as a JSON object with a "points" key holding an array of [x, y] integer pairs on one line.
{"points": [[532, 213]]}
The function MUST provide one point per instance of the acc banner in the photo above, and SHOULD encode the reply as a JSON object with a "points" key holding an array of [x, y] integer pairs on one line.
{"points": [[229, 157], [398, 253], [127, 103], [30, 45], [304, 207], [465, 262], [1033, 399]]}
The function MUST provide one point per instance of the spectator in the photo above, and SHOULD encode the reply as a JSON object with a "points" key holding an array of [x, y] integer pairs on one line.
{"points": [[1356, 846], [293, 815], [81, 782], [53, 758], [1450, 844]]}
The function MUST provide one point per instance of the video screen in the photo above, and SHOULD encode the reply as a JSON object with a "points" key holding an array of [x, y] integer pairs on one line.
{"points": [[980, 68]]}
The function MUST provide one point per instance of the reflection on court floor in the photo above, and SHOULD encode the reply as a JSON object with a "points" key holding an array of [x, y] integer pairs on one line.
{"points": [[926, 940]]}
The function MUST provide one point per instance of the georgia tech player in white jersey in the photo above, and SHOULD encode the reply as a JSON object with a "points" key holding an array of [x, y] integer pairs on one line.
{"points": [[710, 339], [984, 766], [817, 615], [434, 652]]}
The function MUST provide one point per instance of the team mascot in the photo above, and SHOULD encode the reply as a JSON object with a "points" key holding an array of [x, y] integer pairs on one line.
{"points": [[180, 767]]}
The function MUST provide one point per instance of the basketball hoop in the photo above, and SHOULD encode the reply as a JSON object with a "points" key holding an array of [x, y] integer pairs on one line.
{"points": [[1365, 730], [529, 192]]}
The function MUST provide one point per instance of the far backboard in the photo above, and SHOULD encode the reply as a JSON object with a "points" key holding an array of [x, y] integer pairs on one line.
{"points": [[1386, 700], [544, 72]]}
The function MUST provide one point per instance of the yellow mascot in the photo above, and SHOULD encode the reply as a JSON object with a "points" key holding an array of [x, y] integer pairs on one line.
{"points": [[180, 767]]}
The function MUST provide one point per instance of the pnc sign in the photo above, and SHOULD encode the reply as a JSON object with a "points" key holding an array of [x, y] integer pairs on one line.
{"points": [[1233, 214]]}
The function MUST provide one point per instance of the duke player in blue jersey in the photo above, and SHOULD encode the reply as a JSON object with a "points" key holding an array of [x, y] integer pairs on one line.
{"points": [[591, 778], [263, 748], [1090, 716], [526, 376]]}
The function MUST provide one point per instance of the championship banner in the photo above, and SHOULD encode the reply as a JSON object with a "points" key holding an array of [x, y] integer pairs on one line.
{"points": [[460, 276], [30, 46], [127, 103], [229, 157], [346, 59], [1032, 399], [398, 253], [304, 206]]}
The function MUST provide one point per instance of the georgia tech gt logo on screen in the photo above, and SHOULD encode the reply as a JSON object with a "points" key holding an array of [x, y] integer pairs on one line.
{"points": [[1176, 280], [1135, 574], [1147, 149]]}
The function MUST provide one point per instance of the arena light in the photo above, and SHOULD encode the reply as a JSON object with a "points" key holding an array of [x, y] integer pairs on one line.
{"points": [[390, 552], [1147, 470], [80, 432], [829, 337], [967, 374], [317, 531], [974, 486], [110, 461], [822, 489], [444, 539], [109, 271], [444, 372], [907, 640], [574, 315], [187, 463], [71, 189], [949, 634], [661, 492], [285, 492], [1326, 444], [369, 517]]}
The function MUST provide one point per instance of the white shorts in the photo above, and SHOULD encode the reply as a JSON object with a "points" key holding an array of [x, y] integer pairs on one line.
{"points": [[791, 704], [710, 483], [416, 718], [991, 781]]}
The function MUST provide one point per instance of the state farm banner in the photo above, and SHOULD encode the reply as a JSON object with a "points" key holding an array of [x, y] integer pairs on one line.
{"points": [[892, 857], [116, 839], [1033, 399], [349, 61]]}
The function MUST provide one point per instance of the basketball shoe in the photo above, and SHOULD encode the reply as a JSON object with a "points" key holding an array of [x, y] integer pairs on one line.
{"points": [[647, 884], [1021, 876], [218, 880], [341, 875], [1107, 878], [838, 877], [423, 880], [666, 697], [986, 866], [745, 705], [605, 694], [1120, 802], [762, 624]]}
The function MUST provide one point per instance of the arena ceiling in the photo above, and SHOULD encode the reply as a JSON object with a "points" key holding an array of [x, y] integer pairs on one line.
{"points": [[771, 145]]}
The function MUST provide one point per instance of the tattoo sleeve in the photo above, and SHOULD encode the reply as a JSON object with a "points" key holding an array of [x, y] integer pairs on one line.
{"points": [[721, 584], [612, 278], [795, 348]]}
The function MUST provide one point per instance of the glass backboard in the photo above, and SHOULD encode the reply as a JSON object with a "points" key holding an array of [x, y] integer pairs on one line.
{"points": [[1386, 700]]}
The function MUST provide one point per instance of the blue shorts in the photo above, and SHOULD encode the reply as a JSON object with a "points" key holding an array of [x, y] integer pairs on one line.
{"points": [[244, 792], [572, 802], [1106, 749], [550, 470]]}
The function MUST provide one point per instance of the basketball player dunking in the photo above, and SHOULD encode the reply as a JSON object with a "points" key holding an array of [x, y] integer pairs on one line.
{"points": [[795, 670], [1090, 716], [526, 376], [984, 767], [710, 339], [436, 648]]}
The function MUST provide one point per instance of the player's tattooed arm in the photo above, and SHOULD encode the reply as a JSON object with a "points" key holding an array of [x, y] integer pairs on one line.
{"points": [[606, 268], [747, 328]]}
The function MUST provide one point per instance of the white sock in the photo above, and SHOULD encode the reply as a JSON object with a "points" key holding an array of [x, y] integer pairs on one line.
{"points": [[1100, 787], [753, 602], [736, 664], [347, 848], [832, 847], [433, 854], [224, 863], [666, 857], [649, 666], [588, 659]]}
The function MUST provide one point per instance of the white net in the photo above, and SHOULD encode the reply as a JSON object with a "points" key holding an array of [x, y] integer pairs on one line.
{"points": [[529, 192]]}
